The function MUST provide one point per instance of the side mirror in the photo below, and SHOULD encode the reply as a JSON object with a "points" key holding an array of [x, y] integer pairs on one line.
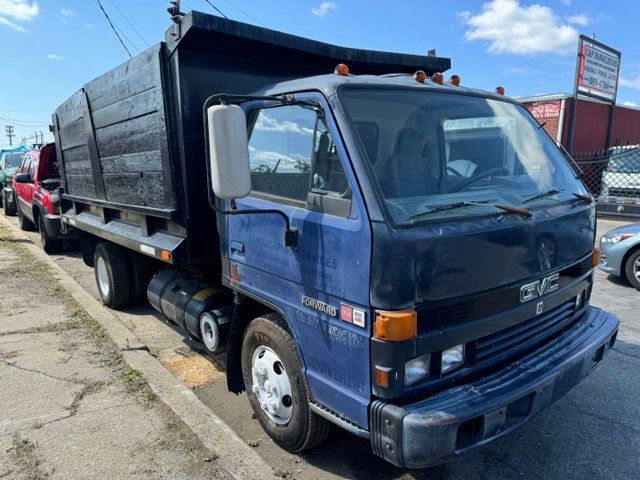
{"points": [[228, 151], [23, 178]]}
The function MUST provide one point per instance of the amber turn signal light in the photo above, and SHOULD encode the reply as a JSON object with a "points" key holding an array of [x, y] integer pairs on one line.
{"points": [[595, 257], [420, 76], [455, 80], [438, 78], [395, 326], [341, 69]]}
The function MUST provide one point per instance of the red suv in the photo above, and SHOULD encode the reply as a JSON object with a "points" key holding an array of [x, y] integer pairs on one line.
{"points": [[35, 186]]}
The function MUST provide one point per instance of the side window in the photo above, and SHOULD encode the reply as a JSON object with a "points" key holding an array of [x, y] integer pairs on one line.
{"points": [[31, 168], [294, 157]]}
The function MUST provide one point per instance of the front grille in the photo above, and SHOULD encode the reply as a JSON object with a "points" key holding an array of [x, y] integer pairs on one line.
{"points": [[525, 334]]}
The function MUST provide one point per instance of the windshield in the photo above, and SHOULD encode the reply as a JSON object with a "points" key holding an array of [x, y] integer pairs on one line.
{"points": [[429, 150], [624, 161], [12, 160]]}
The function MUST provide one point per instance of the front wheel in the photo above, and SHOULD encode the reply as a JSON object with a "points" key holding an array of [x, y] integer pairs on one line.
{"points": [[276, 386], [632, 269]]}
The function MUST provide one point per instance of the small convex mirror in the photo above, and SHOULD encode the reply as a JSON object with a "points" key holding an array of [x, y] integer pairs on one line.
{"points": [[228, 151]]}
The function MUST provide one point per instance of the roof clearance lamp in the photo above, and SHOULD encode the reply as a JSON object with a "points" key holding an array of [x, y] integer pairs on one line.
{"points": [[341, 69], [438, 78], [420, 76]]}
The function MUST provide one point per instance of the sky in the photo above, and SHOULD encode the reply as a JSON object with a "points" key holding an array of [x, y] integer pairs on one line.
{"points": [[51, 48]]}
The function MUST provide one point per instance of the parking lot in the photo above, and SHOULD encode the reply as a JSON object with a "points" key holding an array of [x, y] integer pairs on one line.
{"points": [[593, 432]]}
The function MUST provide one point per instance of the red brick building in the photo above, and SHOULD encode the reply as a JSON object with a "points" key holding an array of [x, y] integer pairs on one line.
{"points": [[592, 117]]}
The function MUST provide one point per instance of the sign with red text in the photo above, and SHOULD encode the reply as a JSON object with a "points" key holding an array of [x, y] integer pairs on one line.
{"points": [[598, 70]]}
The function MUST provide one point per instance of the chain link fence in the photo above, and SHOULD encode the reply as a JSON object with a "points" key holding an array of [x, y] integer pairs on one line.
{"points": [[613, 178]]}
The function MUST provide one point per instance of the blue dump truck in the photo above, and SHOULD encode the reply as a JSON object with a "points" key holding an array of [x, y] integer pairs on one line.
{"points": [[373, 248]]}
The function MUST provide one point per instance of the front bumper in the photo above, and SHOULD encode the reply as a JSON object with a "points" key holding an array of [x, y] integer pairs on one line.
{"points": [[611, 255], [53, 227], [465, 417]]}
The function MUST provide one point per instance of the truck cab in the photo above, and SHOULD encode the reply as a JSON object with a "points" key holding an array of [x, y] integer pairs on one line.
{"points": [[439, 290]]}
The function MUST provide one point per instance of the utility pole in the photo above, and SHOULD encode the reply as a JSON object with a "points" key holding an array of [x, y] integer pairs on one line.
{"points": [[10, 134]]}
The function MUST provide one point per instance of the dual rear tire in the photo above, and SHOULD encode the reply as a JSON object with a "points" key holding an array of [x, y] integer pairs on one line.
{"points": [[121, 276]]}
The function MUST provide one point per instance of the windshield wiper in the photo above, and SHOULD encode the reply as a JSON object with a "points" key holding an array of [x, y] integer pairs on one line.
{"points": [[548, 193], [452, 206], [583, 196], [580, 196]]}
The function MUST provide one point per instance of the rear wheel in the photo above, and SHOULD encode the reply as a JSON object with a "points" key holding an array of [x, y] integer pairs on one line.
{"points": [[112, 278], [276, 386], [9, 209], [25, 224], [632, 269], [49, 245]]}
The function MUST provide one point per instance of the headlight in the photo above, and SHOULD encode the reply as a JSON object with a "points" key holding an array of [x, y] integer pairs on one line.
{"points": [[416, 369], [452, 358], [613, 239]]}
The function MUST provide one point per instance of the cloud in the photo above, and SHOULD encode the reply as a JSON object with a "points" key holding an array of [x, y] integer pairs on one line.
{"points": [[13, 11], [67, 12], [509, 27], [266, 123], [53, 56], [88, 25], [324, 8], [579, 19], [10, 24], [633, 82], [628, 103]]}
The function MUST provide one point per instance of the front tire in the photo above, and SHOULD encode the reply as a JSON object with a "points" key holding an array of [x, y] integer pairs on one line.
{"points": [[49, 245], [632, 269], [277, 388], [112, 277]]}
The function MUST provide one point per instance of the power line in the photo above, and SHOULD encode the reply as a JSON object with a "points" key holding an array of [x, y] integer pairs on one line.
{"points": [[216, 9], [130, 24], [19, 123], [114, 28], [242, 11]]}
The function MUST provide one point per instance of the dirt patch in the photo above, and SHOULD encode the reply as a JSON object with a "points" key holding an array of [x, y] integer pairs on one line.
{"points": [[190, 367]]}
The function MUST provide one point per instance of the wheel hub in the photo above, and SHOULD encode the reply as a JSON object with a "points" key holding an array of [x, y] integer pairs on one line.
{"points": [[103, 276], [271, 385]]}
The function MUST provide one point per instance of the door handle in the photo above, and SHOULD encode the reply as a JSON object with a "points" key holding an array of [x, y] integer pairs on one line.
{"points": [[237, 248]]}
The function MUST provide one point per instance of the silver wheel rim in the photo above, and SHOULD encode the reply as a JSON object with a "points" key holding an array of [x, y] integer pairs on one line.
{"points": [[103, 277], [271, 385], [636, 268], [208, 330]]}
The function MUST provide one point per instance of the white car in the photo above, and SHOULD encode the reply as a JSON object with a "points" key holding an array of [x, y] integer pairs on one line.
{"points": [[621, 176]]}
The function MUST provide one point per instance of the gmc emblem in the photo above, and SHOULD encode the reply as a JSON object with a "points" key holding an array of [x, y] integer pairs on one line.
{"points": [[539, 288]]}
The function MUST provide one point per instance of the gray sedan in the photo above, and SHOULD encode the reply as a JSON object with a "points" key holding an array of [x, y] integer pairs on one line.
{"points": [[620, 253]]}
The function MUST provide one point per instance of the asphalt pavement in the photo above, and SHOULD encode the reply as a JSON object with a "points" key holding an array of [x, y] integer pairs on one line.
{"points": [[593, 432]]}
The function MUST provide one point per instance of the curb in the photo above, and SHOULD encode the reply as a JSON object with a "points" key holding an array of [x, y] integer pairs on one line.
{"points": [[234, 457]]}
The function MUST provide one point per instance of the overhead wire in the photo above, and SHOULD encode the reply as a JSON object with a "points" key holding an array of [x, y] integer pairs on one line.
{"points": [[242, 11], [113, 28], [216, 9], [126, 18], [22, 125]]}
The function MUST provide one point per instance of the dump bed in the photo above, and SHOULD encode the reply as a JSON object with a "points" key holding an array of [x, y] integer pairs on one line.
{"points": [[131, 142]]}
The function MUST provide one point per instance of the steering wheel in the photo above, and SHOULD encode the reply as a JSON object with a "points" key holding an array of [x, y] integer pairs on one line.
{"points": [[480, 176], [454, 171]]}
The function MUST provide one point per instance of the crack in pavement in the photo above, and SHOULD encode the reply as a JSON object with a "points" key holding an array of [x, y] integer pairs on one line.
{"points": [[30, 370], [622, 352]]}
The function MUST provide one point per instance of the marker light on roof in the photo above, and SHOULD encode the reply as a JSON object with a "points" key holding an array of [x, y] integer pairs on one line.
{"points": [[420, 76], [500, 90], [341, 69], [438, 78], [454, 80]]}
